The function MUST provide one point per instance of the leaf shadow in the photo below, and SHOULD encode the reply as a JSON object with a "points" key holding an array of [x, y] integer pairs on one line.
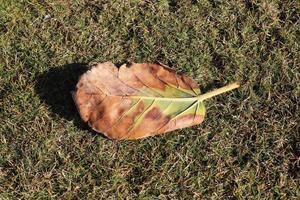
{"points": [[54, 89]]}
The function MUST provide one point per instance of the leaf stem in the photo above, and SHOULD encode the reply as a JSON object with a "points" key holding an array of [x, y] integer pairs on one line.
{"points": [[218, 91]]}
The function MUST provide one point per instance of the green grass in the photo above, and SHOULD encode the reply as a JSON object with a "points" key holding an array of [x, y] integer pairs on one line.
{"points": [[248, 145]]}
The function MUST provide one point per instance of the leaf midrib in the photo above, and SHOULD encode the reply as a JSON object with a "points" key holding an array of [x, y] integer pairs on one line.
{"points": [[200, 98]]}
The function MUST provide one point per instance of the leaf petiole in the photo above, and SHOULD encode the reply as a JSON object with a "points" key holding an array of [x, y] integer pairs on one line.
{"points": [[216, 92]]}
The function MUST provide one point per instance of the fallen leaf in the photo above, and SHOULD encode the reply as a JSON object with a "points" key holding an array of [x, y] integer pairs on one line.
{"points": [[139, 100]]}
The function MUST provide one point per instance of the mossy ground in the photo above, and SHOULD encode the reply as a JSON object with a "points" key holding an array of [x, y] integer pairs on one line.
{"points": [[248, 145]]}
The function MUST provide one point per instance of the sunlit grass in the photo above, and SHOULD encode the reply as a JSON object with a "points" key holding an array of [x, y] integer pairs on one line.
{"points": [[248, 145]]}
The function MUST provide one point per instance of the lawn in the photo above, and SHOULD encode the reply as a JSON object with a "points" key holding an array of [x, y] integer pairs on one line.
{"points": [[247, 147]]}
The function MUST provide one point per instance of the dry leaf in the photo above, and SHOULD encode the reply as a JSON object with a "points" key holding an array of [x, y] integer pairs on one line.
{"points": [[139, 100]]}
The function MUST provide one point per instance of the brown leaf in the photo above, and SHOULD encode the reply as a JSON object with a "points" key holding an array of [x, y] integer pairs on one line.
{"points": [[139, 100]]}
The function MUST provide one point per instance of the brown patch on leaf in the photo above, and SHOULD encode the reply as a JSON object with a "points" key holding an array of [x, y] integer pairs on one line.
{"points": [[166, 75], [182, 122], [154, 114], [146, 74], [152, 121], [120, 129], [192, 84], [182, 82]]}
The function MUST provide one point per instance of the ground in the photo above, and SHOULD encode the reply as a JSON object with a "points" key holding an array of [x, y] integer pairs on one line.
{"points": [[247, 147]]}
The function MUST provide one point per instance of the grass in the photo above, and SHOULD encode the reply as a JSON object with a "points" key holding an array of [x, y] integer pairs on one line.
{"points": [[247, 147]]}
